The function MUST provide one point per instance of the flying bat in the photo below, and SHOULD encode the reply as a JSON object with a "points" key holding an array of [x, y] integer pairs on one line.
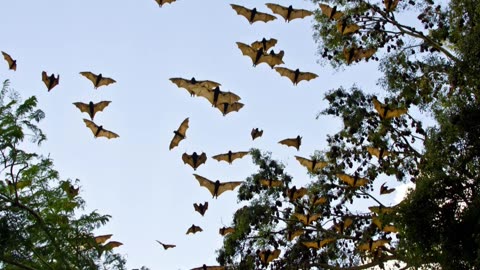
{"points": [[112, 244], [50, 81], [91, 108], [316, 200], [165, 246], [294, 193], [194, 159], [216, 188], [205, 267], [97, 80], [194, 229], [319, 243], [230, 156], [342, 225], [180, 134], [385, 190], [307, 219], [226, 230], [330, 12], [256, 133], [273, 59], [162, 2], [313, 166], [385, 112], [353, 181], [264, 44], [12, 64], [356, 54], [100, 239], [384, 228], [294, 234], [295, 75], [266, 256], [289, 13], [226, 108], [216, 96], [271, 183], [259, 56], [193, 86], [345, 29], [380, 153], [201, 208], [373, 245], [252, 15], [390, 5], [99, 131], [293, 142]]}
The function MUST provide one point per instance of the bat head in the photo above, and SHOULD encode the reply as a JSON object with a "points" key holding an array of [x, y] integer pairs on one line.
{"points": [[193, 81]]}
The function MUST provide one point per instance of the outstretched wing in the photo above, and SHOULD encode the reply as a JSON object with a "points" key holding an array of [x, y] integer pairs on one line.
{"points": [[300, 14], [91, 125], [239, 154], [107, 134], [345, 29], [221, 157], [263, 17], [264, 44], [187, 159], [351, 181], [105, 81], [306, 76], [12, 64], [82, 107], [290, 74], [201, 208], [309, 164], [331, 13], [291, 235], [278, 9], [385, 190], [180, 134], [243, 11], [166, 246], [227, 97], [272, 59], [248, 51], [98, 107], [228, 186], [89, 75], [293, 142], [204, 182], [226, 230], [271, 183], [226, 108], [162, 2]]}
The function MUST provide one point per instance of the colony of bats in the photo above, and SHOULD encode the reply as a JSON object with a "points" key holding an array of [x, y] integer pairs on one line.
{"points": [[226, 102]]}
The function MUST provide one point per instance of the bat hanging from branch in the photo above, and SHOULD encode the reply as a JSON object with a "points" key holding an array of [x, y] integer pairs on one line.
{"points": [[356, 54], [180, 134], [99, 131], [380, 153], [166, 246], [289, 13], [252, 15], [230, 156], [293, 193], [91, 108], [194, 160], [330, 12], [256, 133], [97, 80], [12, 64], [271, 183], [345, 29], [226, 230], [226, 108], [266, 256], [201, 208], [319, 243], [293, 142], [291, 235], [313, 165], [296, 75], [353, 181], [162, 2], [50, 81], [193, 86], [384, 110], [194, 229], [264, 44], [307, 219], [216, 188]]}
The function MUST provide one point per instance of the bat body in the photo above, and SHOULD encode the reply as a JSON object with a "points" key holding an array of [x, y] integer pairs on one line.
{"points": [[50, 81], [216, 96], [216, 188], [293, 142], [296, 75], [252, 15], [291, 235], [227, 108], [97, 80], [205, 267], [162, 2], [230, 156], [256, 133], [194, 160], [264, 44], [201, 208], [99, 131], [289, 13], [180, 134], [226, 230], [294, 193], [385, 190], [345, 29], [193, 86], [266, 256], [307, 219], [12, 64], [356, 54], [385, 112], [330, 12], [353, 181], [166, 246], [312, 166], [319, 243], [91, 108], [194, 229], [271, 183]]}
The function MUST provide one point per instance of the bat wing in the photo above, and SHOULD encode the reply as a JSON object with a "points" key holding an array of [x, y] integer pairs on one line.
{"points": [[91, 125], [228, 97], [381, 209], [346, 29], [82, 107], [106, 81], [385, 190], [351, 180], [102, 238], [292, 235], [112, 244], [286, 73], [239, 154], [278, 9], [300, 14], [248, 51], [226, 230], [204, 182], [271, 183], [194, 229], [256, 133], [162, 2], [201, 208], [228, 186], [264, 45], [312, 244], [107, 134], [89, 75], [201, 159], [293, 142], [187, 159], [226, 108], [12, 64], [221, 157], [272, 60], [98, 107], [315, 200], [182, 130], [305, 162], [331, 13], [185, 84], [302, 218], [306, 76], [243, 11], [391, 113], [165, 246], [263, 17]]}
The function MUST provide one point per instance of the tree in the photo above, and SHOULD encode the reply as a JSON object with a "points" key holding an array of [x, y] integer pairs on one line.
{"points": [[40, 223], [426, 71]]}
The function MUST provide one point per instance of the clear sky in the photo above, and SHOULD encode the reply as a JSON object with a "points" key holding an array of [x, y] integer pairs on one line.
{"points": [[135, 178]]}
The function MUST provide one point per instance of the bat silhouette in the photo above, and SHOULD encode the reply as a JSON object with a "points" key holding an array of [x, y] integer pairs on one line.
{"points": [[385, 228], [180, 134], [380, 153], [194, 160], [252, 15], [216, 188], [345, 29], [259, 56], [385, 190], [226, 230], [356, 54], [230, 156], [294, 193], [342, 225], [316, 200], [295, 75], [291, 235], [373, 245], [390, 5], [330, 12], [307, 219], [97, 80], [256, 133], [216, 96], [194, 229], [319, 243], [50, 81], [266, 256], [205, 267], [166, 246], [99, 131], [12, 64], [226, 108], [271, 183], [312, 166], [385, 112], [193, 86], [162, 2], [91, 108], [293, 142], [264, 44], [353, 181], [201, 208], [289, 13]]}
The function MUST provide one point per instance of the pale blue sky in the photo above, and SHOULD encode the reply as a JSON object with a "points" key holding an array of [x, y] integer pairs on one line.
{"points": [[135, 178]]}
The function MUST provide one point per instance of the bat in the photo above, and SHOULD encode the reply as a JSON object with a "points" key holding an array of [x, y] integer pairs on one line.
{"points": [[353, 181], [226, 108], [194, 229], [289, 13], [194, 160], [342, 225], [356, 54], [193, 86], [319, 243], [385, 190], [91, 108], [273, 59], [216, 188], [97, 80], [99, 131], [307, 219], [346, 29], [230, 156], [71, 190], [102, 238], [264, 44], [12, 64], [226, 230], [380, 153], [266, 256], [271, 183], [386, 228], [373, 245], [216, 96], [313, 165], [291, 235], [201, 208], [166, 246], [259, 56], [205, 267], [296, 75], [252, 15], [385, 112], [330, 12], [256, 133], [180, 134], [381, 209], [162, 2], [50, 81], [295, 193], [293, 142], [390, 5], [316, 200]]}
